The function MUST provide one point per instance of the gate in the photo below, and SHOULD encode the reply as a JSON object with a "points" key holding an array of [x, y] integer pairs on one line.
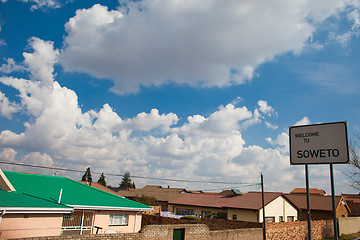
{"points": [[179, 234], [77, 223]]}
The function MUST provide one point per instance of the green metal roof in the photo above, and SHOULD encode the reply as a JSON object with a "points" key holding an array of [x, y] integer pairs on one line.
{"points": [[73, 194], [15, 200]]}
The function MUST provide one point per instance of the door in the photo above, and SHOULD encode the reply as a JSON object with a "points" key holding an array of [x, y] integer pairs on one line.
{"points": [[179, 234]]}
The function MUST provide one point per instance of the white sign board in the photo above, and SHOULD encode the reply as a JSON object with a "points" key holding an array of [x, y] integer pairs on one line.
{"points": [[319, 144]]}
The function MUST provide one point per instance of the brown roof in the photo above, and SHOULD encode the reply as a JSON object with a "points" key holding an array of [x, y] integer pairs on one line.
{"points": [[353, 201], [250, 200], [317, 202], [355, 198], [158, 192], [101, 187], [311, 191]]}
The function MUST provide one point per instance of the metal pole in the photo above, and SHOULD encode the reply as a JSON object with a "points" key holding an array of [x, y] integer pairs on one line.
{"points": [[308, 201], [336, 235], [263, 206]]}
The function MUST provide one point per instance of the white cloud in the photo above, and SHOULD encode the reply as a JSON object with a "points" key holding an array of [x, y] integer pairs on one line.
{"points": [[153, 120], [8, 154], [60, 133], [41, 4], [265, 108], [202, 43], [271, 126], [281, 142], [11, 66], [7, 108], [344, 38], [41, 62], [303, 121]]}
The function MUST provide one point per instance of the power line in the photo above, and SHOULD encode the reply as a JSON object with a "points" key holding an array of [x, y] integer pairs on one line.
{"points": [[121, 175]]}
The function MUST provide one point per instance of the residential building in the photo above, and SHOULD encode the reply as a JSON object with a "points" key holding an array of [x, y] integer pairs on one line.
{"points": [[237, 206], [320, 206], [88, 210], [162, 195], [23, 215], [353, 201]]}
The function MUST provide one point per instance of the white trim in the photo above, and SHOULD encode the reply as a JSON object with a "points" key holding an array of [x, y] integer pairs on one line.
{"points": [[35, 210], [108, 208], [7, 182]]}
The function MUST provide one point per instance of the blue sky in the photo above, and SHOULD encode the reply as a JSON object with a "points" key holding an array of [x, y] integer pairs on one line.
{"points": [[202, 90]]}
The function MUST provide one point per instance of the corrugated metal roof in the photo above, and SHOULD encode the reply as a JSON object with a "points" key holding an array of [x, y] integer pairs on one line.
{"points": [[19, 200], [73, 193]]}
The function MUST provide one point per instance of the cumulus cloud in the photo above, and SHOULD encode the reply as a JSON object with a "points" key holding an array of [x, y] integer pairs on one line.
{"points": [[59, 133], [202, 43], [265, 108], [7, 108], [303, 121]]}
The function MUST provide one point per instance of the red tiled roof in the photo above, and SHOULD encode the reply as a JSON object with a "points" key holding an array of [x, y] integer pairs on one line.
{"points": [[311, 191], [250, 200]]}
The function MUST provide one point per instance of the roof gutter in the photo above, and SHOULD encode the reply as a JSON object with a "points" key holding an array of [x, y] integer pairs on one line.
{"points": [[109, 208], [9, 210]]}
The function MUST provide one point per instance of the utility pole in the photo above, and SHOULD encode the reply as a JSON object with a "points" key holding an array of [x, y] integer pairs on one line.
{"points": [[263, 206]]}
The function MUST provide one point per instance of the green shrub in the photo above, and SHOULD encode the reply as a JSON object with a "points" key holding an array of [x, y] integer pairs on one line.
{"points": [[190, 218]]}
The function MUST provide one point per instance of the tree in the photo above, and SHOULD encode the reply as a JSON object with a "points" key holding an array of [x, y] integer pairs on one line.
{"points": [[354, 171], [102, 180], [126, 182], [87, 176]]}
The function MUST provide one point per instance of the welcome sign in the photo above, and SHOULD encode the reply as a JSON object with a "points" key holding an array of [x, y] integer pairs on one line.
{"points": [[319, 144]]}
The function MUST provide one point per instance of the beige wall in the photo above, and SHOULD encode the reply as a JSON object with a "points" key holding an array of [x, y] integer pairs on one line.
{"points": [[349, 225], [102, 220], [30, 225], [243, 215], [278, 207]]}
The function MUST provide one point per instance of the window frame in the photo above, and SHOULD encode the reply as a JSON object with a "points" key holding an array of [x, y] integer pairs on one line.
{"points": [[114, 216]]}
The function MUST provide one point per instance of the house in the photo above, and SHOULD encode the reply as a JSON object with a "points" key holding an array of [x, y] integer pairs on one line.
{"points": [[88, 210], [22, 215], [353, 201], [162, 195], [237, 206], [320, 206]]}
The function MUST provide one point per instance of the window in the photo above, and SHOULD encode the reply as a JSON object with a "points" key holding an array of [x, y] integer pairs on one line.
{"points": [[234, 217], [281, 218], [222, 215], [290, 218], [185, 212], [269, 219], [205, 214], [118, 219]]}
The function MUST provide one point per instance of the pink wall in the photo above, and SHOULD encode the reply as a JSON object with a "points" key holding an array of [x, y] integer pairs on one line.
{"points": [[30, 225], [102, 220]]}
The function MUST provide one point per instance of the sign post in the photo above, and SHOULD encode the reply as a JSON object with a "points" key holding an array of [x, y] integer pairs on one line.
{"points": [[319, 144]]}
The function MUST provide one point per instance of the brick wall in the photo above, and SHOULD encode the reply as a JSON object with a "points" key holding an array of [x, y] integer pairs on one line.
{"points": [[298, 230], [165, 232], [292, 231]]}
